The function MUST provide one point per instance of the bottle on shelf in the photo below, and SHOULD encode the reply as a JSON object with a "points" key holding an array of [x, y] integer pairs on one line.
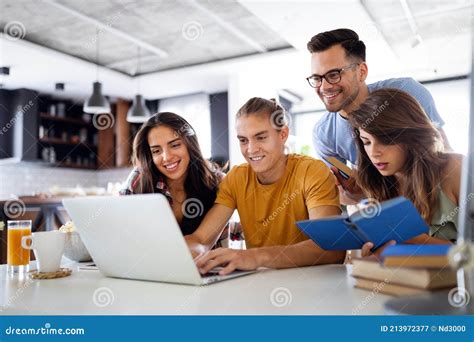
{"points": [[52, 109], [52, 155], [83, 135], [45, 154], [61, 109]]}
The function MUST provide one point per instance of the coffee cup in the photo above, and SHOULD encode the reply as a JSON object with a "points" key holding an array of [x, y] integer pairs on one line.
{"points": [[48, 248]]}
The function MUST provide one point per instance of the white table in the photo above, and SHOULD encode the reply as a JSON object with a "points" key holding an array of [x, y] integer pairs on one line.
{"points": [[318, 290]]}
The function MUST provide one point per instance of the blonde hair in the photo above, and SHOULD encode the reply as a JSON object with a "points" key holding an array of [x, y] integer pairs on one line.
{"points": [[260, 106]]}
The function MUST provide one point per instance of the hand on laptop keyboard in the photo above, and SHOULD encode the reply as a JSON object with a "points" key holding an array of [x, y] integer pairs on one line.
{"points": [[228, 259]]}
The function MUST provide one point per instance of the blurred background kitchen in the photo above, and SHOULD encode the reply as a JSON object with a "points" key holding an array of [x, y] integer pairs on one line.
{"points": [[61, 60]]}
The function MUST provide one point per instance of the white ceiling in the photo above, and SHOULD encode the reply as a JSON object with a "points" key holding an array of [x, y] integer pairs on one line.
{"points": [[169, 33], [425, 40]]}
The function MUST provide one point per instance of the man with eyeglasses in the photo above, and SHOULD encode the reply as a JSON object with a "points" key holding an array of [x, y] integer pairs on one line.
{"points": [[338, 76]]}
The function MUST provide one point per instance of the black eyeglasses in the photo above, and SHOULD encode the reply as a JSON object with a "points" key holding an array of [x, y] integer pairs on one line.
{"points": [[332, 76]]}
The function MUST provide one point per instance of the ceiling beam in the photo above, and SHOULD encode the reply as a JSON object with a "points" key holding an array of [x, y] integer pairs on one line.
{"points": [[409, 16], [227, 26], [128, 61], [379, 29], [105, 27], [432, 12]]}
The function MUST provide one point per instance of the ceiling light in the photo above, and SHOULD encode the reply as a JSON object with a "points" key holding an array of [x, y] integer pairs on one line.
{"points": [[416, 41], [139, 112], [4, 71], [59, 86], [97, 103]]}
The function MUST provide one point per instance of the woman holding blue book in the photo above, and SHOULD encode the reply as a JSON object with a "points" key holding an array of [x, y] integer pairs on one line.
{"points": [[400, 153]]}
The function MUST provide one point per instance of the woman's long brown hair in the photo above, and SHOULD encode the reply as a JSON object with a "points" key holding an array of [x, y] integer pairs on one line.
{"points": [[200, 176], [393, 117]]}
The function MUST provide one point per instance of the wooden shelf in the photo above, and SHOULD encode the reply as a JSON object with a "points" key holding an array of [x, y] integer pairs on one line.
{"points": [[76, 166], [69, 165], [73, 121], [56, 141]]}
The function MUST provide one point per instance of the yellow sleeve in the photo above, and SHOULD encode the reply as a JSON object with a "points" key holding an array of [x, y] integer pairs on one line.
{"points": [[320, 186], [226, 194]]}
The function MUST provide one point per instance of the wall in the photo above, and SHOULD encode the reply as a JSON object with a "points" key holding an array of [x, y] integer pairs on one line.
{"points": [[451, 99], [26, 178]]}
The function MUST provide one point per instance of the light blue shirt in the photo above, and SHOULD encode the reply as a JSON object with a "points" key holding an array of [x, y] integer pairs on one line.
{"points": [[332, 134]]}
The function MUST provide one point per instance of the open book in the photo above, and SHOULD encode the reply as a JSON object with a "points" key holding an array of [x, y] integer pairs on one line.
{"points": [[395, 219]]}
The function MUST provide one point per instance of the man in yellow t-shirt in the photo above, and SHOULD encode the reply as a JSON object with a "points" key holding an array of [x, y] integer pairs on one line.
{"points": [[268, 212], [271, 192]]}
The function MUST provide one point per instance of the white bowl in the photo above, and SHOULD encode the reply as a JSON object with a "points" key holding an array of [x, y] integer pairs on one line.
{"points": [[75, 249]]}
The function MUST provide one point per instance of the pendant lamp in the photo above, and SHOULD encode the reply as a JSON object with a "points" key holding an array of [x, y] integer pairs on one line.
{"points": [[138, 112], [97, 103]]}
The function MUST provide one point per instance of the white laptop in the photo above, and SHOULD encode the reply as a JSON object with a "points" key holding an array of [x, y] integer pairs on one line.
{"points": [[137, 237]]}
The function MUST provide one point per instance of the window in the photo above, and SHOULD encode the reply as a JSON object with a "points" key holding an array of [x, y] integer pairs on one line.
{"points": [[303, 127], [195, 109]]}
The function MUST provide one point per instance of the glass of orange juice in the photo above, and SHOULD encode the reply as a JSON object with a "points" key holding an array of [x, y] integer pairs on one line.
{"points": [[18, 258]]}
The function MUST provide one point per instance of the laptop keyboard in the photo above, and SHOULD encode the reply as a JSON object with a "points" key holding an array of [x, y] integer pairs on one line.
{"points": [[212, 273], [215, 272]]}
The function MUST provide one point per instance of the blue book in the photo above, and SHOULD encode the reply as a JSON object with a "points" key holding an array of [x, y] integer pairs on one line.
{"points": [[396, 219], [415, 250], [427, 256]]}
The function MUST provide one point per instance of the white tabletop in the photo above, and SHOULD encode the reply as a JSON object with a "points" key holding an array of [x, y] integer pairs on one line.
{"points": [[318, 290]]}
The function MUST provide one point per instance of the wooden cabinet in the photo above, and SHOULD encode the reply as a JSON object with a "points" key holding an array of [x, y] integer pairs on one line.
{"points": [[18, 124], [66, 136], [56, 131]]}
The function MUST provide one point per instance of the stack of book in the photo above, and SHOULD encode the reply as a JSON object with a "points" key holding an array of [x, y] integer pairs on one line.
{"points": [[406, 270]]}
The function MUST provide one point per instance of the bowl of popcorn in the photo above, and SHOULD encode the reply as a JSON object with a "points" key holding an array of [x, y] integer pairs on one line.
{"points": [[74, 248]]}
